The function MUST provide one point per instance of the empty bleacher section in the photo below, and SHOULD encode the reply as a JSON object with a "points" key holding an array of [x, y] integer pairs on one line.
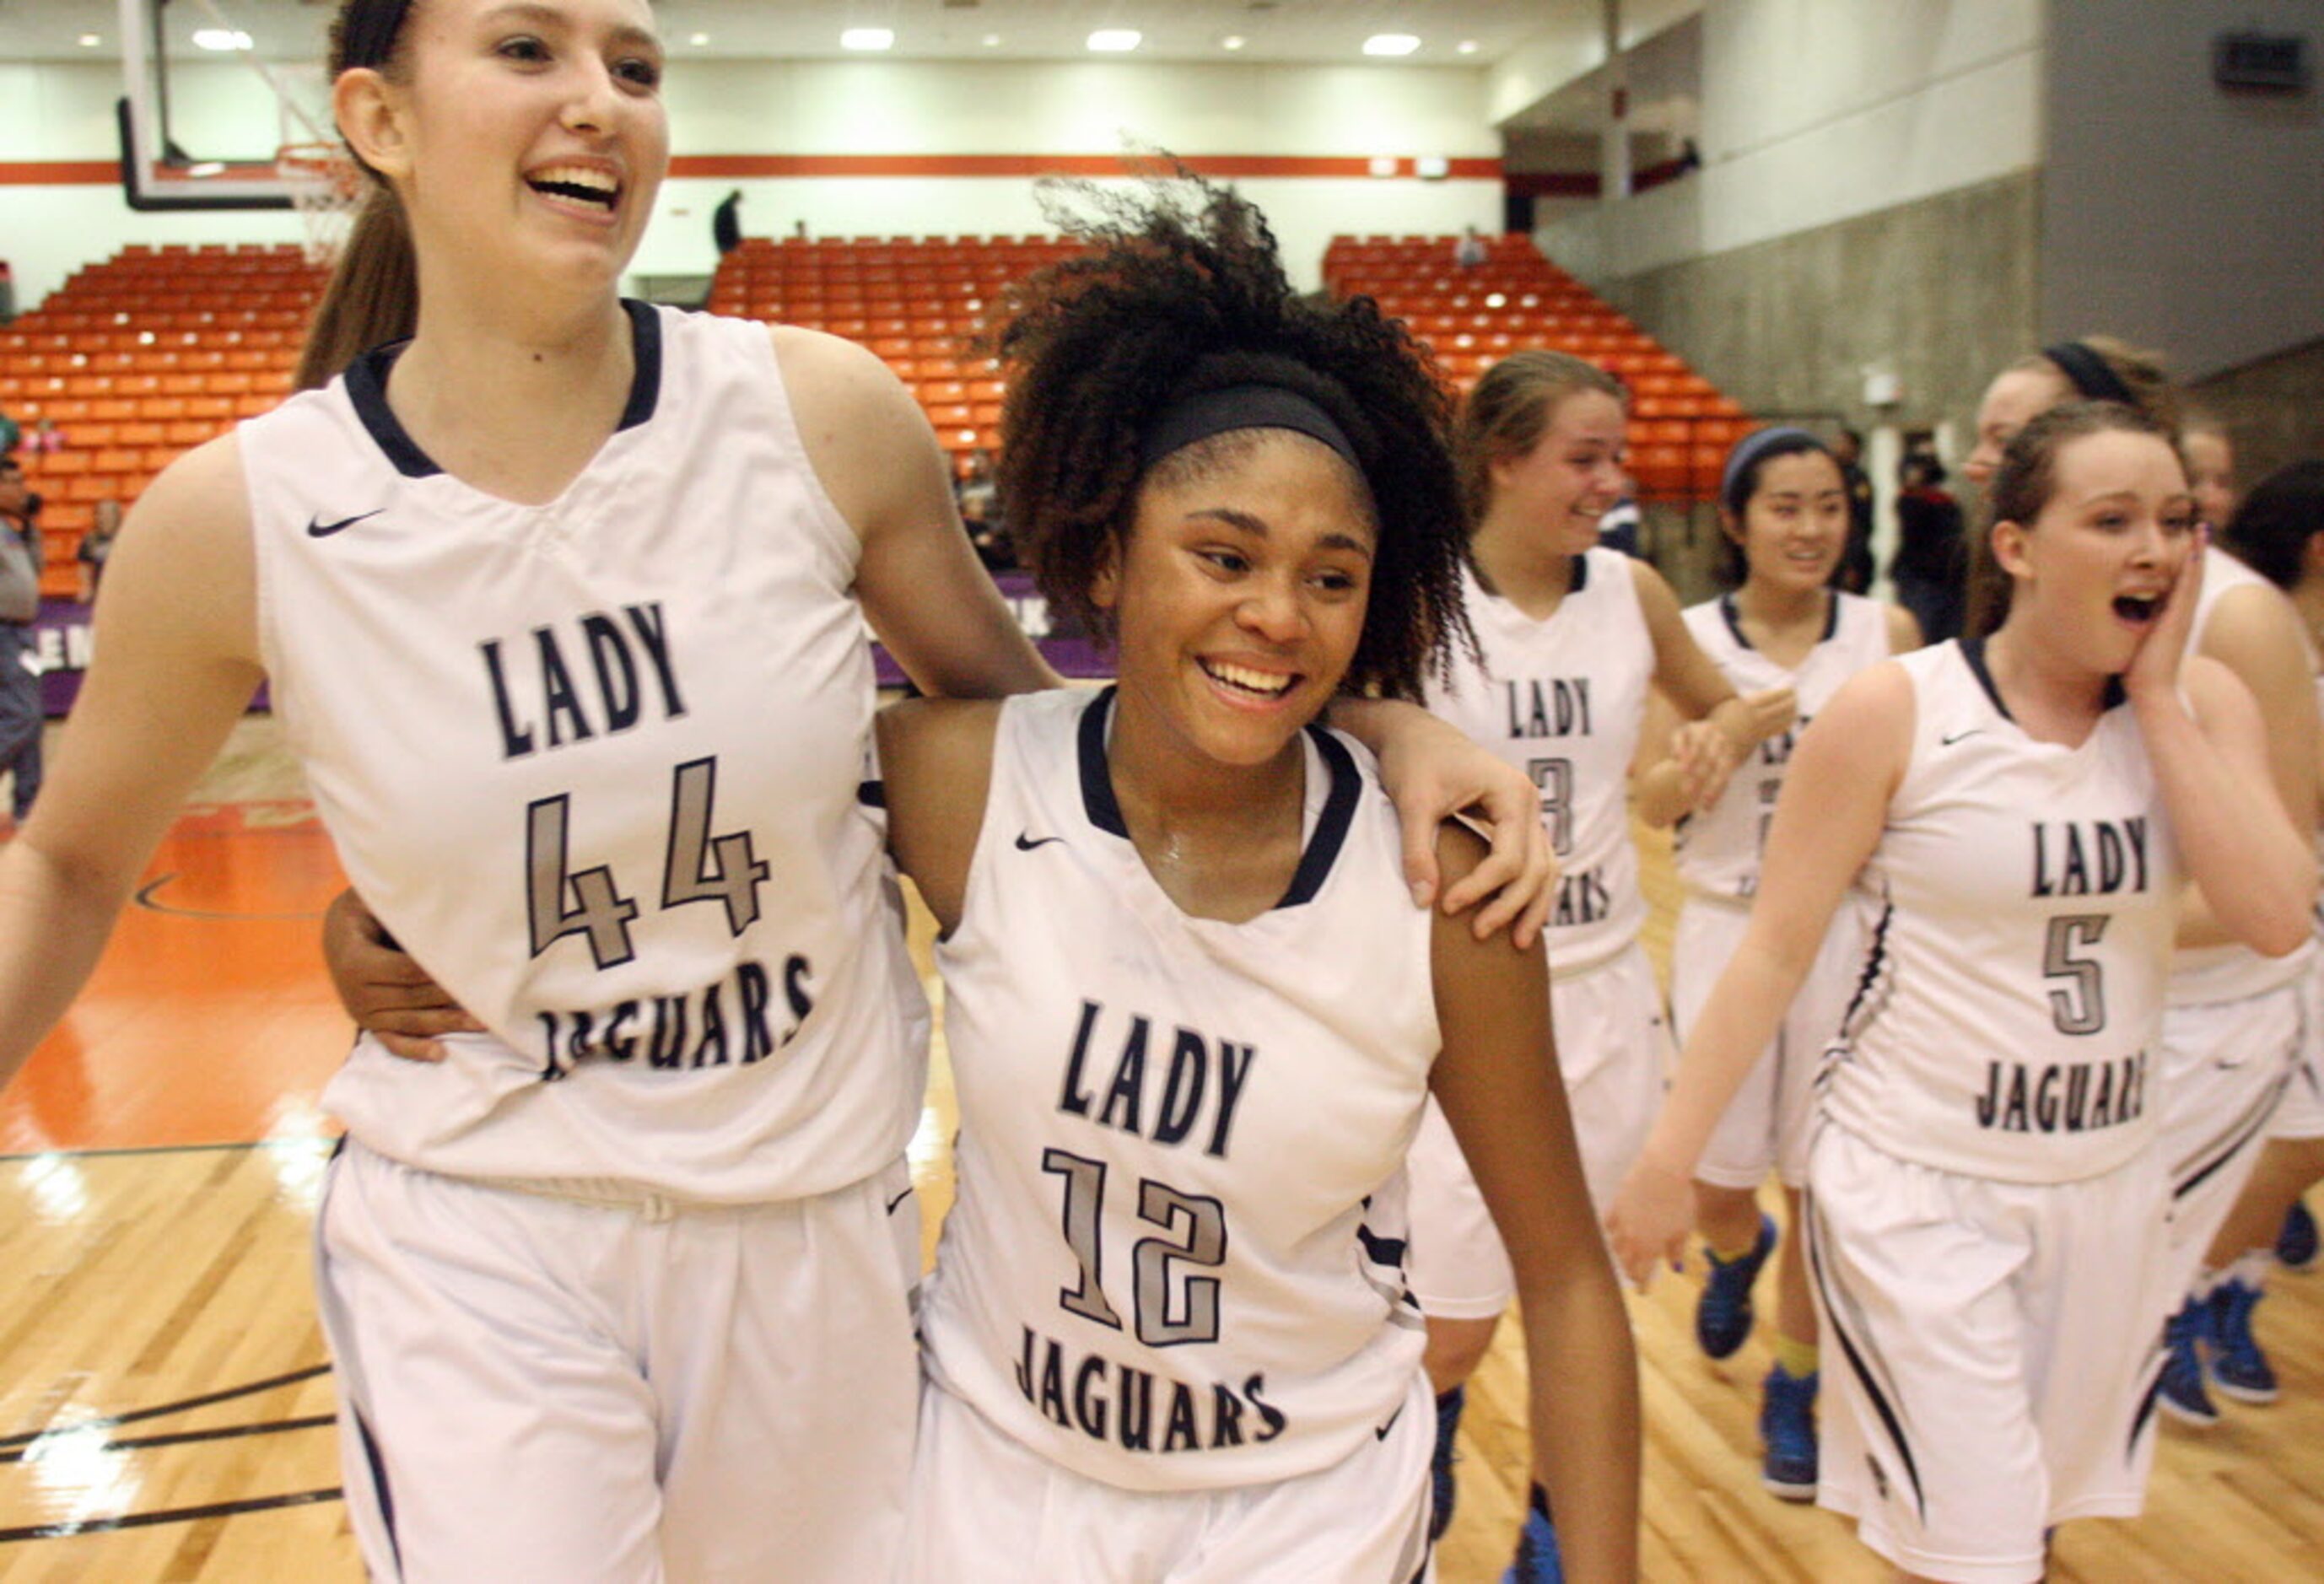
{"points": [[1471, 316], [139, 357], [918, 303]]}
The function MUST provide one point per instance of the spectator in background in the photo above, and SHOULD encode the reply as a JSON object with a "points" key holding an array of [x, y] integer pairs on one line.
{"points": [[979, 511], [10, 433], [46, 439], [1854, 573], [1470, 252], [96, 545], [1930, 566], [21, 715], [1617, 530], [727, 222]]}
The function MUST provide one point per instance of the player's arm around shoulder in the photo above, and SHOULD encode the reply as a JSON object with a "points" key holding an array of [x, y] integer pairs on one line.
{"points": [[919, 582], [1496, 1079], [935, 764], [176, 660]]}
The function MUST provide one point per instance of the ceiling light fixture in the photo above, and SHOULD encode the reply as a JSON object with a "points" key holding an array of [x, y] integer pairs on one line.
{"points": [[1466, 46], [219, 37], [698, 40], [1115, 41], [992, 41], [1232, 42], [90, 41], [867, 38], [1391, 44]]}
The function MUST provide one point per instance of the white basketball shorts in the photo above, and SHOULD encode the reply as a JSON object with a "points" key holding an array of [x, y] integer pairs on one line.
{"points": [[2226, 1065], [558, 1387], [986, 1509], [1990, 1350], [1767, 1124], [1613, 1048]]}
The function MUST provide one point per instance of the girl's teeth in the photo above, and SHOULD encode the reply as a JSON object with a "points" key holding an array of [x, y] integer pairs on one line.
{"points": [[1248, 680]]}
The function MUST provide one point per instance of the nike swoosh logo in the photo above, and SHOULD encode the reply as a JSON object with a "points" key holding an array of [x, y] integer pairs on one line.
{"points": [[1948, 741], [318, 529], [900, 1199], [1025, 841], [1381, 1432]]}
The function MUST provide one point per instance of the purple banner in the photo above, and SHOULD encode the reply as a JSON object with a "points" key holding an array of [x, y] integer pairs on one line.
{"points": [[1070, 655]]}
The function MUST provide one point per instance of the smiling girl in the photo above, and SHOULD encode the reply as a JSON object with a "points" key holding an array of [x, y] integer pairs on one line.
{"points": [[1192, 1029], [561, 601], [1985, 1182], [1783, 633], [1571, 636]]}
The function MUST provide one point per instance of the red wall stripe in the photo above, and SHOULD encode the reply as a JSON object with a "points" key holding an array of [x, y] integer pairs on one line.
{"points": [[58, 172]]}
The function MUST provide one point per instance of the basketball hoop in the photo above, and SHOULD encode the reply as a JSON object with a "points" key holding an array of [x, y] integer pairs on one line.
{"points": [[325, 186]]}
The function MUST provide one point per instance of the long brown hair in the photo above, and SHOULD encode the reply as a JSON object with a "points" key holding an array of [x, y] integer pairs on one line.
{"points": [[374, 295]]}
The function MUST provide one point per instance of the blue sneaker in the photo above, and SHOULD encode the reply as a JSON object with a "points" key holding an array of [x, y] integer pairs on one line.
{"points": [[2181, 1393], [1537, 1562], [2295, 1245], [2238, 1367], [1722, 1314], [1787, 1430], [1441, 1489]]}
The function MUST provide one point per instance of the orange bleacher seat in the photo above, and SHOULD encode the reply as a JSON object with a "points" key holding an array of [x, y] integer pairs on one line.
{"points": [[157, 457], [939, 393], [209, 407], [952, 415], [256, 403], [188, 431]]}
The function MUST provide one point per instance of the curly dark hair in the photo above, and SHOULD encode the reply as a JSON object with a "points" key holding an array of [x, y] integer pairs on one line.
{"points": [[1182, 291]]}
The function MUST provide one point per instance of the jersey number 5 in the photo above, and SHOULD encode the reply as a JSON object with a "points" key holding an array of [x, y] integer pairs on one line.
{"points": [[2078, 990], [1165, 1318], [696, 867]]}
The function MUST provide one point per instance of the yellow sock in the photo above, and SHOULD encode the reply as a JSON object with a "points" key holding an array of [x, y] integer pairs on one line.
{"points": [[1795, 1358]]}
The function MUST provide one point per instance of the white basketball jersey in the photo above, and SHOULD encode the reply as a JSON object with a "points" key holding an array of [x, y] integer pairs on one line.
{"points": [[1563, 700], [2005, 1023], [597, 764], [1174, 1261], [2203, 974], [1718, 850]]}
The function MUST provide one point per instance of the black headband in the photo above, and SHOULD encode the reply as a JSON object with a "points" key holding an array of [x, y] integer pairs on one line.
{"points": [[1205, 413], [2092, 376], [1750, 449]]}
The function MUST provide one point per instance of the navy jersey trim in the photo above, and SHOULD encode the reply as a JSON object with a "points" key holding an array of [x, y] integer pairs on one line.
{"points": [[1581, 574], [1857, 1365], [368, 389], [1973, 651], [1332, 826], [1733, 617]]}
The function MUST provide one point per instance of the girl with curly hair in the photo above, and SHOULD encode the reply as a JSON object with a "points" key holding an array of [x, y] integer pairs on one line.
{"points": [[1192, 1027]]}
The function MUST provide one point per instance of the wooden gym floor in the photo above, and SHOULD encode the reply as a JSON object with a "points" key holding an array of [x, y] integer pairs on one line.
{"points": [[166, 1402]]}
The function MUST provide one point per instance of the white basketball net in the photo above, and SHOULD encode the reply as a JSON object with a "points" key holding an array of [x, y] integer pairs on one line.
{"points": [[325, 188]]}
